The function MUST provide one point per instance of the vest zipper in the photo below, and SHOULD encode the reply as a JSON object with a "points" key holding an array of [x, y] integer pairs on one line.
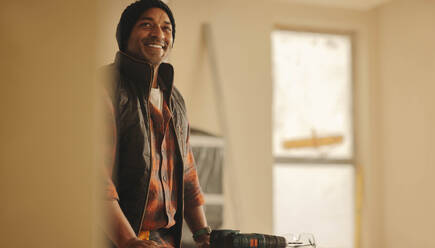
{"points": [[150, 145]]}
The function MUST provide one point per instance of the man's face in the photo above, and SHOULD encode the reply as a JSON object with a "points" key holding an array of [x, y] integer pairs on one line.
{"points": [[151, 37]]}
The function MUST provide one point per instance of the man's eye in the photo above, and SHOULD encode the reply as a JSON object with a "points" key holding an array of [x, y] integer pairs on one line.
{"points": [[145, 24], [169, 29]]}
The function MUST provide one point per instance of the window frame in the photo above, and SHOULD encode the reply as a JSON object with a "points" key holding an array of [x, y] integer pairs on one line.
{"points": [[283, 160], [304, 160]]}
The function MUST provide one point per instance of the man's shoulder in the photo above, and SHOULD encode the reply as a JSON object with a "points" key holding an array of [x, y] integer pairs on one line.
{"points": [[176, 92]]}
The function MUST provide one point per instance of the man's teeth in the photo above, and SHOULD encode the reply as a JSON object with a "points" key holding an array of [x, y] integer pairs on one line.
{"points": [[156, 46]]}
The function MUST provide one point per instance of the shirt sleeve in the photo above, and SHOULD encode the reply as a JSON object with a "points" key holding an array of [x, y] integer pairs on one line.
{"points": [[193, 195], [109, 147]]}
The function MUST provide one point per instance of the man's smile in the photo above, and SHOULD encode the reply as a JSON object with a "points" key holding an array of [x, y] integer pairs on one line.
{"points": [[154, 44]]}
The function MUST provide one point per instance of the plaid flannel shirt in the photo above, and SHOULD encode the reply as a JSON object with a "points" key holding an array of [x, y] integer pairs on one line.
{"points": [[163, 191]]}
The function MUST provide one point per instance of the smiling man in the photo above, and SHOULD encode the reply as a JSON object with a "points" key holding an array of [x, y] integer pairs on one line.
{"points": [[153, 183]]}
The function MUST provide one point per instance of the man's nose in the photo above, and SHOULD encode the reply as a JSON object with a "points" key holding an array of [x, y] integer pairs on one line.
{"points": [[157, 32]]}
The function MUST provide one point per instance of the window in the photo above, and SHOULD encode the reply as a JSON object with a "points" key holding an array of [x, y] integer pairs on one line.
{"points": [[313, 141]]}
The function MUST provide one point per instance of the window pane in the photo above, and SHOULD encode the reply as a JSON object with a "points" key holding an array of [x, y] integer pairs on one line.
{"points": [[312, 95], [315, 199]]}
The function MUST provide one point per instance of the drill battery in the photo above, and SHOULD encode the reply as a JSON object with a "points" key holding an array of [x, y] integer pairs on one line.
{"points": [[235, 239]]}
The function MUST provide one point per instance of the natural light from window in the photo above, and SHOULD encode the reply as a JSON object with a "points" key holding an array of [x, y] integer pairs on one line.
{"points": [[313, 136]]}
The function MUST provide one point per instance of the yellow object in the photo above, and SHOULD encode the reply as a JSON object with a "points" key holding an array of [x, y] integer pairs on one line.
{"points": [[312, 142], [144, 235]]}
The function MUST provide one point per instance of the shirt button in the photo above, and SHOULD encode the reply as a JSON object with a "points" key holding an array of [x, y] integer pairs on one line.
{"points": [[164, 178]]}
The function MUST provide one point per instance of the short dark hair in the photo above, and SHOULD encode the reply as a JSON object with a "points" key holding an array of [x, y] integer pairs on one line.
{"points": [[132, 13]]}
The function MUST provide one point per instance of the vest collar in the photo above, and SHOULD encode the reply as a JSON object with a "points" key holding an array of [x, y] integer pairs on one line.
{"points": [[141, 72]]}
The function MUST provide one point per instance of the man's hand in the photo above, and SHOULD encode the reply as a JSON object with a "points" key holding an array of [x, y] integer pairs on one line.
{"points": [[203, 241], [137, 243]]}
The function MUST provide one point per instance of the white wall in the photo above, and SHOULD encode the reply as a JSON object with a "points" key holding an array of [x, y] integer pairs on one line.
{"points": [[407, 120]]}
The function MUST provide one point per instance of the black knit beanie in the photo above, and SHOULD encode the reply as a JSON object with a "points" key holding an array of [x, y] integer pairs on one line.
{"points": [[132, 13]]}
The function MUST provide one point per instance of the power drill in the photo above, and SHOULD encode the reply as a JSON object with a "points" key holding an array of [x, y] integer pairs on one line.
{"points": [[235, 239]]}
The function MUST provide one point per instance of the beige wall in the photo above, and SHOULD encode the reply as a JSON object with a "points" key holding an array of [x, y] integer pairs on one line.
{"points": [[407, 120], [49, 52], [47, 149]]}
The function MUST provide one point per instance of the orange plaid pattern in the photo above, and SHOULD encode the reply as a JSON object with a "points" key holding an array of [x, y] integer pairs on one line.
{"points": [[163, 191], [144, 235]]}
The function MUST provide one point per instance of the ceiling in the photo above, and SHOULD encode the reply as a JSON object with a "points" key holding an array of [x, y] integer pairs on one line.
{"points": [[348, 4]]}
